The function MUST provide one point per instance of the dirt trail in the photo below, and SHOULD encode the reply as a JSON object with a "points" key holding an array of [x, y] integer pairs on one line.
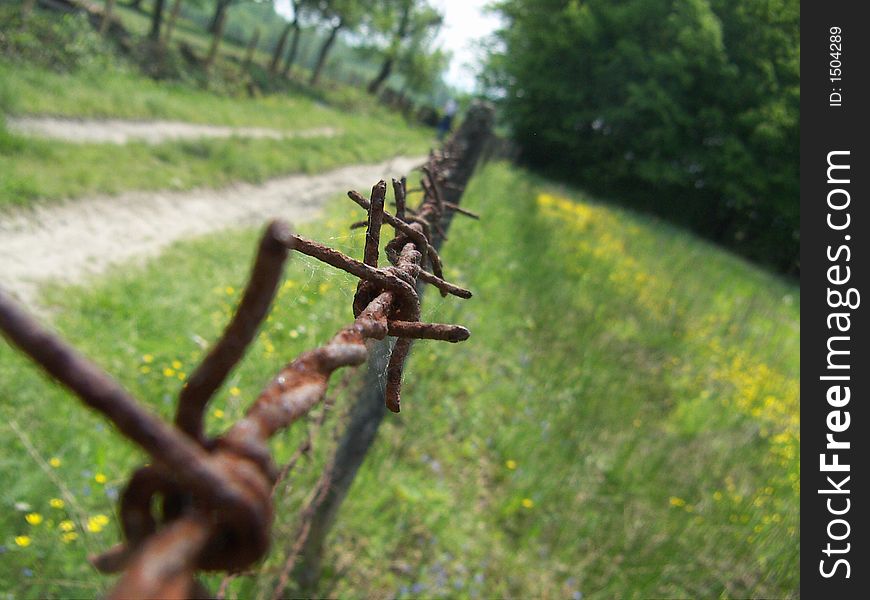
{"points": [[71, 241], [117, 131]]}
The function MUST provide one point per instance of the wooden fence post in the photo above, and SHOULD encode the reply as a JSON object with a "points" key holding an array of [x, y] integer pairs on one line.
{"points": [[368, 410]]}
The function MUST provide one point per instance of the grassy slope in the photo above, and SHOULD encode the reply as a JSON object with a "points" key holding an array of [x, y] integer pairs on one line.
{"points": [[106, 86], [622, 423], [49, 170]]}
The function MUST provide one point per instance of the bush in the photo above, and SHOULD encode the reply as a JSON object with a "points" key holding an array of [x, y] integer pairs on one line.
{"points": [[687, 108], [61, 42]]}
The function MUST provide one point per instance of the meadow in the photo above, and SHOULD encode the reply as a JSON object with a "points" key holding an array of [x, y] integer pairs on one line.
{"points": [[623, 422], [62, 68], [40, 170]]}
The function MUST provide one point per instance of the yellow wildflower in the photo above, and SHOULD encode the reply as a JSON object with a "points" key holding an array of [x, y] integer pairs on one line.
{"points": [[23, 540], [230, 290], [96, 523], [56, 503], [218, 413], [69, 537], [675, 501], [66, 525], [33, 518], [528, 503], [294, 334], [147, 358], [176, 364], [511, 464], [167, 372], [144, 369], [182, 375], [54, 462], [234, 391], [100, 478]]}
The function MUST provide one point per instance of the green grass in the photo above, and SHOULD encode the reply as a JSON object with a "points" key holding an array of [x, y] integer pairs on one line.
{"points": [[622, 423], [96, 84], [43, 170], [122, 93]]}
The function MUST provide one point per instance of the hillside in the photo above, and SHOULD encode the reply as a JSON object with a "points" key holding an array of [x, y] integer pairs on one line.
{"points": [[623, 422]]}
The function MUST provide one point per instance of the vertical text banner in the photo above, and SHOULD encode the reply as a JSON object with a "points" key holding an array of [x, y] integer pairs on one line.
{"points": [[835, 364]]}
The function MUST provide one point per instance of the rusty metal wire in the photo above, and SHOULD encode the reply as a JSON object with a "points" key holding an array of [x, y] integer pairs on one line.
{"points": [[216, 494]]}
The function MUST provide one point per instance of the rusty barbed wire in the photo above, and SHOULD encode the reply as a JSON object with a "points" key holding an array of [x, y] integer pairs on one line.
{"points": [[216, 493]]}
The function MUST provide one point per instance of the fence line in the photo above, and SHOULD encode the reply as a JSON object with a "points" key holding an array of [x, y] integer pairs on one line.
{"points": [[446, 176], [216, 493]]}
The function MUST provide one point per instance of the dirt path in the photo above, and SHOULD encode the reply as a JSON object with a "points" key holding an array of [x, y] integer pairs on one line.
{"points": [[117, 131], [71, 241]]}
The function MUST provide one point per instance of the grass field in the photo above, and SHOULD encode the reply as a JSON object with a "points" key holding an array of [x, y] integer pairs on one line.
{"points": [[44, 170], [100, 85], [622, 423]]}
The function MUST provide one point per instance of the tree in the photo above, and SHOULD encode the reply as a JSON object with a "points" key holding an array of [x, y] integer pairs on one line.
{"points": [[216, 28], [107, 16], [156, 20], [220, 9], [409, 20], [338, 15], [689, 107], [170, 25], [216, 41], [294, 42], [294, 26], [421, 69]]}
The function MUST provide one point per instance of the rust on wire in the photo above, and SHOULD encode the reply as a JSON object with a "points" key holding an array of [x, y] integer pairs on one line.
{"points": [[215, 495]]}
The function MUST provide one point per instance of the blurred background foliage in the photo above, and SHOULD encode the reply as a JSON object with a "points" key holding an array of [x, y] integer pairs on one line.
{"points": [[687, 108]]}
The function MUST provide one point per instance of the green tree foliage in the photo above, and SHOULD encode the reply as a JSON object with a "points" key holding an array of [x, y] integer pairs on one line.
{"points": [[421, 68], [406, 26], [690, 107], [337, 15]]}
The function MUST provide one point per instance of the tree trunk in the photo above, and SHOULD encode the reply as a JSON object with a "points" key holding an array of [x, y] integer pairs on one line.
{"points": [[170, 25], [107, 16], [216, 41], [324, 50], [156, 20], [395, 46], [252, 47], [279, 49], [294, 48], [382, 76], [220, 9]]}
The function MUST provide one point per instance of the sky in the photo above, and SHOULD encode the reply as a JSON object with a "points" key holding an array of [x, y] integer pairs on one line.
{"points": [[464, 24]]}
